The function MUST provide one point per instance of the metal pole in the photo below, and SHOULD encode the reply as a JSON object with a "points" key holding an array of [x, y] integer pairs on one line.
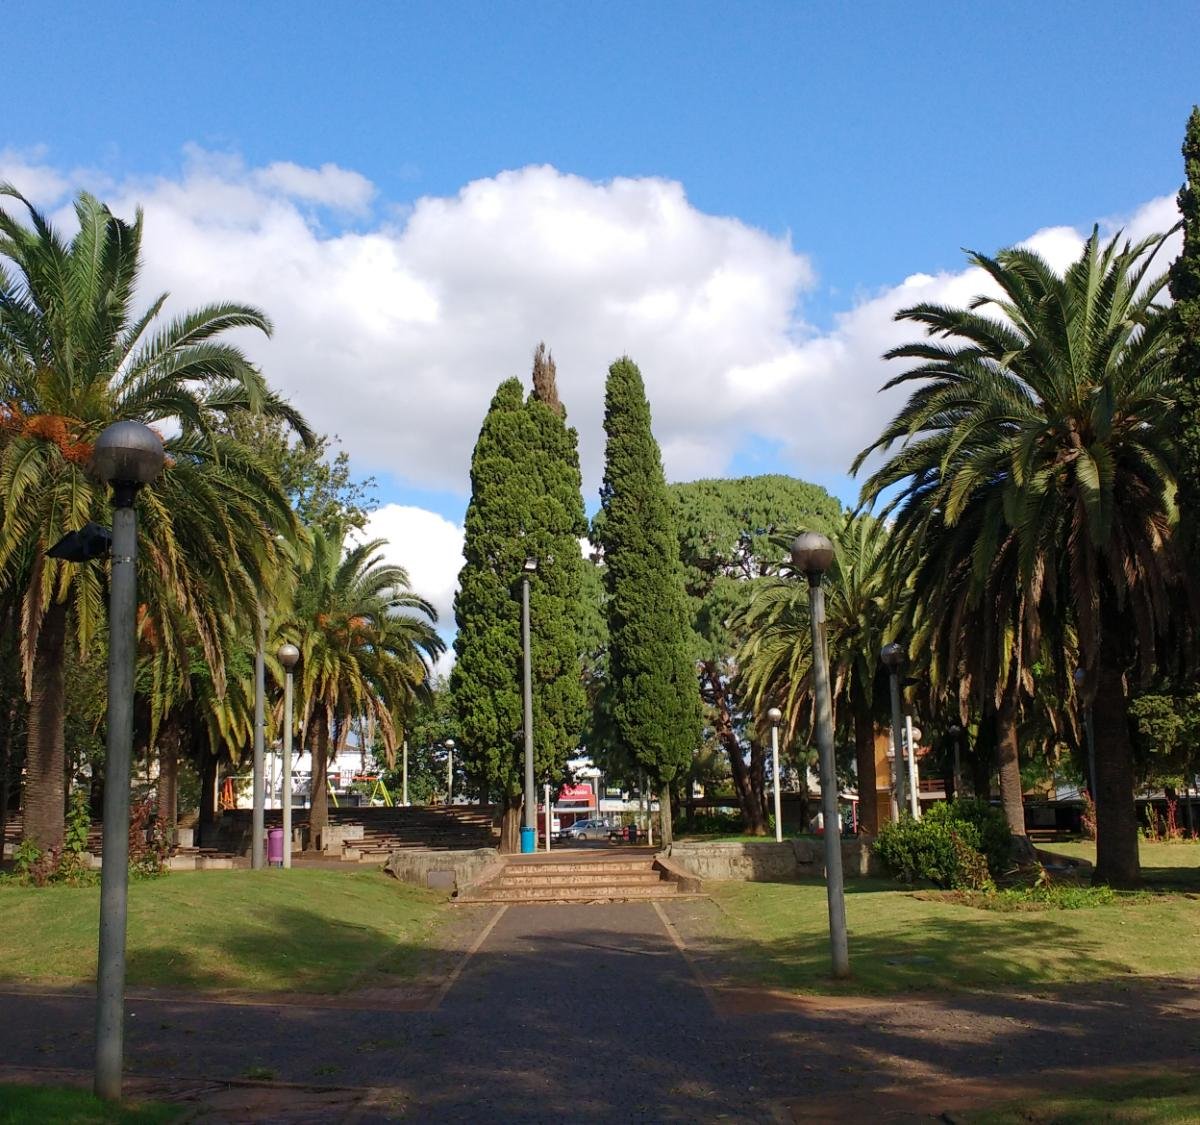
{"points": [[775, 767], [897, 748], [286, 787], [260, 675], [114, 872], [913, 798], [406, 773], [1091, 744], [547, 818], [449, 775], [833, 837], [530, 792]]}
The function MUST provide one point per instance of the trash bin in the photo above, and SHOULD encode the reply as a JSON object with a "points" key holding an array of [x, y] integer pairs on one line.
{"points": [[528, 841], [275, 847]]}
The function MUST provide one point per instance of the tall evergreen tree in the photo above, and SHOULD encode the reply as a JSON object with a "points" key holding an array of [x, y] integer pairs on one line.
{"points": [[1185, 289], [654, 701], [525, 503]]}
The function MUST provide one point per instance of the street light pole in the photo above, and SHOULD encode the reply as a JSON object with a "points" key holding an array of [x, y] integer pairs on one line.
{"points": [[893, 656], [774, 715], [127, 456], [812, 555], [527, 686], [404, 799], [449, 745], [1080, 683], [956, 734], [257, 831], [288, 655]]}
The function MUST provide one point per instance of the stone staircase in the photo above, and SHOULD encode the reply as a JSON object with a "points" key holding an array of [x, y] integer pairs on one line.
{"points": [[371, 834], [576, 876]]}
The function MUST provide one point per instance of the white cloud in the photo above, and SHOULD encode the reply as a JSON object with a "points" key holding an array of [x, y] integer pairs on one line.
{"points": [[329, 185], [31, 176], [396, 334], [428, 546]]}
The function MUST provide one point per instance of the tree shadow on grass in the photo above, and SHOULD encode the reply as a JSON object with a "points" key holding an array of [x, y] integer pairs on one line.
{"points": [[280, 948]]}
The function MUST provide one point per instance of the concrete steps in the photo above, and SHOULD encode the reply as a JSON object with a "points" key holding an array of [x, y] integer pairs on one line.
{"points": [[602, 879]]}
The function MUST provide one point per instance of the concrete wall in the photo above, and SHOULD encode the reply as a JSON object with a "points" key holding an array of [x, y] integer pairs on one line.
{"points": [[770, 862], [445, 870]]}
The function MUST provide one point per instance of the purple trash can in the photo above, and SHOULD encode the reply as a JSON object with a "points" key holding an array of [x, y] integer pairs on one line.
{"points": [[275, 847]]}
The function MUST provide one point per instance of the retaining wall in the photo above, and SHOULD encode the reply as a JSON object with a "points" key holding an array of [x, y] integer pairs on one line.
{"points": [[445, 870], [768, 861]]}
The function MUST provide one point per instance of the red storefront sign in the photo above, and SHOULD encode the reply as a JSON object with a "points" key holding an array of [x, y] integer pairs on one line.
{"points": [[576, 793]]}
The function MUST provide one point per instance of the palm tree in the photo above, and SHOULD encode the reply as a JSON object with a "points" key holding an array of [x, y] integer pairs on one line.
{"points": [[363, 652], [1037, 447], [775, 659], [74, 358]]}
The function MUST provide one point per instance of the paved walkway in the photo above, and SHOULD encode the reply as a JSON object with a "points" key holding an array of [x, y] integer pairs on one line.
{"points": [[596, 1013]]}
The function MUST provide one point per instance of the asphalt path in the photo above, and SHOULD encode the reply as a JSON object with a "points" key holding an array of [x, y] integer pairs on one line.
{"points": [[598, 1013]]}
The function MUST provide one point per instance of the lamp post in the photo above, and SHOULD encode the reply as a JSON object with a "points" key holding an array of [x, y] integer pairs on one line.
{"points": [[956, 734], [127, 457], [1089, 731], [289, 656], [404, 797], [812, 555], [258, 789], [912, 738], [449, 745], [893, 656], [529, 568], [773, 716]]}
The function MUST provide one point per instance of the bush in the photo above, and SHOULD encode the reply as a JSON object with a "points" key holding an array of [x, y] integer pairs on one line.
{"points": [[918, 849], [980, 825], [958, 845]]}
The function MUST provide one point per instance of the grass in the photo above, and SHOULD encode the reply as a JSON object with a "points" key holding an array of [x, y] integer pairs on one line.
{"points": [[1158, 1099], [900, 942], [302, 930], [20, 1105], [1171, 866]]}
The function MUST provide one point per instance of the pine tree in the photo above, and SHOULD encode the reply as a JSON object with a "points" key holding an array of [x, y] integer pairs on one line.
{"points": [[525, 503], [653, 701], [1185, 289]]}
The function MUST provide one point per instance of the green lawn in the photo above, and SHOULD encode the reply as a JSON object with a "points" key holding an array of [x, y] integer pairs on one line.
{"points": [[21, 1105], [1163, 865], [300, 930], [1158, 1099], [900, 943]]}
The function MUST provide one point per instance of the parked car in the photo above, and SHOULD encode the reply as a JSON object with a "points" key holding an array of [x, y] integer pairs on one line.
{"points": [[591, 829]]}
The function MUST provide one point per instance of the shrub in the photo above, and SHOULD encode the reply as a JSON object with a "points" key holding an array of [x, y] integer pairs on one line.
{"points": [[980, 825], [933, 849]]}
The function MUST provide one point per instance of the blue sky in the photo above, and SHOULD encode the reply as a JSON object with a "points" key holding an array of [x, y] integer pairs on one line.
{"points": [[738, 195]]}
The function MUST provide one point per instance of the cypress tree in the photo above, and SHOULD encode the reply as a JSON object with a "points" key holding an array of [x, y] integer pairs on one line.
{"points": [[653, 701], [486, 679], [525, 502], [1185, 289], [553, 530]]}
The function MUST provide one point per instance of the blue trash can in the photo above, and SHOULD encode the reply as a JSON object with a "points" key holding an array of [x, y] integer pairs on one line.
{"points": [[528, 841]]}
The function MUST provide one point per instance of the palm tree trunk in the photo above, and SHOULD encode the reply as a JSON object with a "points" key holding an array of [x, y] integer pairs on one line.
{"points": [[318, 813], [168, 779], [1117, 862], [6, 770], [864, 759], [45, 758], [1012, 791]]}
